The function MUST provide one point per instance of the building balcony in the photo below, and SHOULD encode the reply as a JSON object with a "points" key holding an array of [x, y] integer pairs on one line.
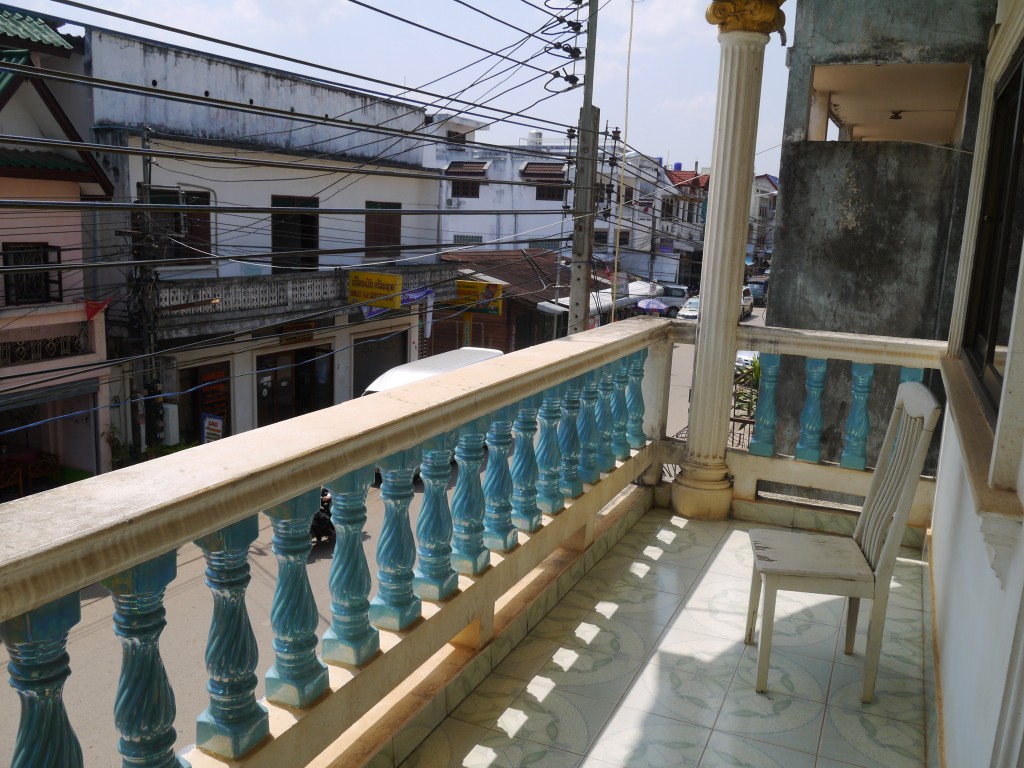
{"points": [[234, 304], [550, 608]]}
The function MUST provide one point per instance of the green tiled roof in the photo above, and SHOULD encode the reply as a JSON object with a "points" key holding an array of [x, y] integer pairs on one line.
{"points": [[11, 57], [42, 161], [26, 27]]}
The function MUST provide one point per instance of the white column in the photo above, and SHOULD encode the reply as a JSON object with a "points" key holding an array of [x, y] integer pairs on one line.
{"points": [[702, 488], [817, 121]]}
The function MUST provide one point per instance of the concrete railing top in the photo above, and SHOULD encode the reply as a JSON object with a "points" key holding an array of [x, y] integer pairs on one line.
{"points": [[55, 542]]}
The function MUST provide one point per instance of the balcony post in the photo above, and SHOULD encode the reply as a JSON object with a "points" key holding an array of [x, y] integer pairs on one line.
{"points": [[350, 639], [525, 473], [39, 666], [499, 533], [620, 380], [635, 399], [858, 423], [808, 447], [569, 442], [586, 426], [656, 382], [396, 606], [297, 676], [469, 555], [234, 723], [605, 387], [144, 709], [434, 578], [702, 488], [766, 415], [550, 498]]}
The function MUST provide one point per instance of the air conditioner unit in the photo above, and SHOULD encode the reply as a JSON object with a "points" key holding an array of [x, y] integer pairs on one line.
{"points": [[452, 202]]}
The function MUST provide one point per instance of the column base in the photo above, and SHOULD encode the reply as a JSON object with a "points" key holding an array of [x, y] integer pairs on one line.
{"points": [[232, 740], [702, 492], [501, 541], [471, 566], [394, 617], [295, 693], [354, 652], [550, 505], [527, 522], [435, 590]]}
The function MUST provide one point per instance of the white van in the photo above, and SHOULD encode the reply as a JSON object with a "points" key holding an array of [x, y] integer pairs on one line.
{"points": [[430, 366]]}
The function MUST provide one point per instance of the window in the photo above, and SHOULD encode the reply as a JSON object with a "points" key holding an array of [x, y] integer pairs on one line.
{"points": [[468, 239], [293, 383], [551, 193], [546, 245], [177, 235], [624, 237], [629, 194], [37, 286], [998, 246], [455, 137], [600, 237], [383, 230], [208, 396], [667, 208], [293, 233], [465, 188]]}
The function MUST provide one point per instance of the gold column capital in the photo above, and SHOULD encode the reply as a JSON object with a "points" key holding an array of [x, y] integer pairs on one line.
{"points": [[748, 15]]}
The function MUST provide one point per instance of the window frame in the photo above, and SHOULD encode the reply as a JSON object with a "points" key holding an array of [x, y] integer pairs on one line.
{"points": [[385, 228], [47, 280]]}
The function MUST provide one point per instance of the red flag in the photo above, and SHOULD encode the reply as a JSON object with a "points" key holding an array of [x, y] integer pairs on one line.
{"points": [[94, 306]]}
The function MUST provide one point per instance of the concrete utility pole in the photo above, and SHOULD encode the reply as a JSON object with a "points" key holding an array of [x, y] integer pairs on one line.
{"points": [[585, 193]]}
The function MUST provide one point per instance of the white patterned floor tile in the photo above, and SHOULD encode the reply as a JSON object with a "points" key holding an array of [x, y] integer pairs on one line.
{"points": [[788, 673], [874, 742], [697, 653], [724, 750], [786, 721], [678, 695], [588, 673], [555, 717], [896, 697], [635, 739]]}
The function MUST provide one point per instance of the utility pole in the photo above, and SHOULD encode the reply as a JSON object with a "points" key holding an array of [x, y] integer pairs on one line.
{"points": [[147, 300], [584, 196]]}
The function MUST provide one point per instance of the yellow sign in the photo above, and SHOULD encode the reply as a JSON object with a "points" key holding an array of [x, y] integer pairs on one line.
{"points": [[375, 289], [476, 296]]}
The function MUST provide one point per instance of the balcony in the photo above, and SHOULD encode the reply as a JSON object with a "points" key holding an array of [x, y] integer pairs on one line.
{"points": [[560, 609]]}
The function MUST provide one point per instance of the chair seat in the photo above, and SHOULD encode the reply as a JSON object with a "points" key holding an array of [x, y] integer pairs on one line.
{"points": [[793, 553]]}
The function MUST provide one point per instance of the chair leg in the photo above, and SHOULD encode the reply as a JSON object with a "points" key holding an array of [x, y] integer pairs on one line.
{"points": [[852, 611], [764, 650], [871, 655], [755, 598]]}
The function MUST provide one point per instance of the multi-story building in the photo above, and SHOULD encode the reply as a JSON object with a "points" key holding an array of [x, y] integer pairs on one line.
{"points": [[54, 398], [692, 189], [761, 241], [243, 315]]}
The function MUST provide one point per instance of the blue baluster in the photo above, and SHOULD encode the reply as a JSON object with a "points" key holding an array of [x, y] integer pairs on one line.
{"points": [[569, 442], [858, 425], [586, 425], [808, 448], [911, 374], [550, 498], [605, 388], [350, 639], [765, 415], [435, 579], [635, 400], [499, 533], [144, 708], [526, 514], [620, 414], [297, 676], [233, 723], [39, 666], [396, 606], [469, 555]]}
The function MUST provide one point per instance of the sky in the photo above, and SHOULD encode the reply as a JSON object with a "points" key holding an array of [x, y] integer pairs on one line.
{"points": [[670, 55]]}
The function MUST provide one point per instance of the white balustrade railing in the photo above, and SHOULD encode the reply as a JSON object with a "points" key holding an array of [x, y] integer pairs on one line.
{"points": [[438, 583]]}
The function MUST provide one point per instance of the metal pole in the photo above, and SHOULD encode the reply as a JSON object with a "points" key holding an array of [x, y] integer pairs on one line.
{"points": [[584, 196]]}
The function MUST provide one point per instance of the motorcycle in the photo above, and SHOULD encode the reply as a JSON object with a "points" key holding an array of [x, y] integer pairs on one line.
{"points": [[320, 527]]}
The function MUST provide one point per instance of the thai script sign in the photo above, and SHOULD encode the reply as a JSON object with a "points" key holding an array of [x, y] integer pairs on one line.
{"points": [[476, 296], [375, 289]]}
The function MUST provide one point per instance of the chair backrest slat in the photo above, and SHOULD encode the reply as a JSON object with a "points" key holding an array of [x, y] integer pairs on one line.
{"points": [[886, 508]]}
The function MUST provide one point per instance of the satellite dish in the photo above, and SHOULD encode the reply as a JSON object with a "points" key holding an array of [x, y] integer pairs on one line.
{"points": [[749, 261]]}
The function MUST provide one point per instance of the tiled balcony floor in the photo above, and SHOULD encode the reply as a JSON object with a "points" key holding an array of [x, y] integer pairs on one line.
{"points": [[642, 663]]}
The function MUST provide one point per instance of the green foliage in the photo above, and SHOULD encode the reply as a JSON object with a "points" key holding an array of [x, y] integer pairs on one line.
{"points": [[744, 389]]}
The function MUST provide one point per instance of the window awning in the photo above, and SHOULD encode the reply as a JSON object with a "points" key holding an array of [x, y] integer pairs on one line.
{"points": [[466, 168], [543, 171]]}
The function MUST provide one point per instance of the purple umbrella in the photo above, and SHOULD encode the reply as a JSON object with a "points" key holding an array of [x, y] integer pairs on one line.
{"points": [[652, 304]]}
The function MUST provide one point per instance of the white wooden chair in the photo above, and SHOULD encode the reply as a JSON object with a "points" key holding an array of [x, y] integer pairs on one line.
{"points": [[857, 567]]}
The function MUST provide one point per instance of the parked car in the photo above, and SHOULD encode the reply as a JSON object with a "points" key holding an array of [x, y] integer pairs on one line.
{"points": [[690, 309], [746, 303], [674, 297], [759, 287]]}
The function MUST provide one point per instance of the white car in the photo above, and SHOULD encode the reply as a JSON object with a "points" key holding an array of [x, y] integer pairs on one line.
{"points": [[746, 303], [689, 309]]}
